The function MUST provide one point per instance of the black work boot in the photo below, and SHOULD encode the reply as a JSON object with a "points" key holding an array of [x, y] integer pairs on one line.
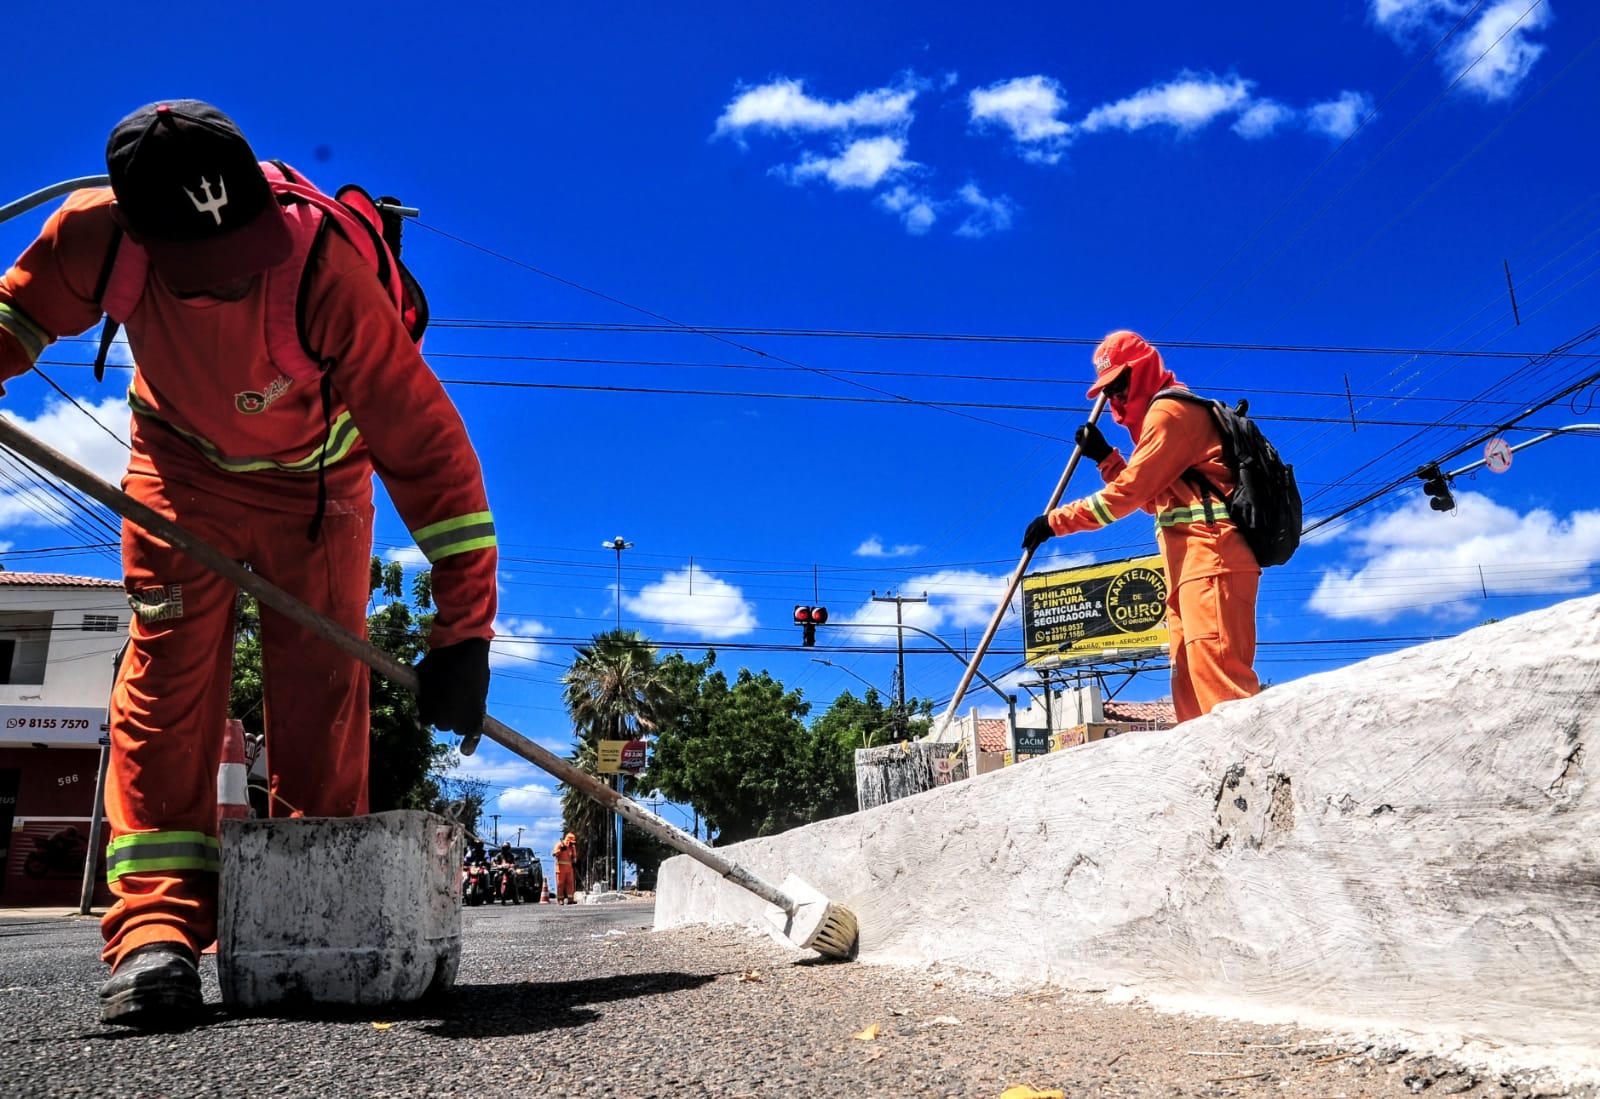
{"points": [[155, 987]]}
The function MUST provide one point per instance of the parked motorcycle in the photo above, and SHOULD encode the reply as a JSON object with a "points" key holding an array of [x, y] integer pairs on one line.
{"points": [[57, 854]]}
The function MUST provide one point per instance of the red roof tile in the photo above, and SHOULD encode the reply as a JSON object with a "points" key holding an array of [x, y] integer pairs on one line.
{"points": [[54, 580], [1144, 713], [991, 734]]}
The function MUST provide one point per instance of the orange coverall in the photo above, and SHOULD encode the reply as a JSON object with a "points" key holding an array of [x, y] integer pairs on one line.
{"points": [[1212, 577], [566, 854], [226, 444]]}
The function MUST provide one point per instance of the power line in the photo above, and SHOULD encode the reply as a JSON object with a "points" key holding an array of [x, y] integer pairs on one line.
{"points": [[956, 337]]}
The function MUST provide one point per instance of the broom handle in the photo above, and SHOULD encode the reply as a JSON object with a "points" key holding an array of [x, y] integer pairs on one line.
{"points": [[85, 481], [1016, 577]]}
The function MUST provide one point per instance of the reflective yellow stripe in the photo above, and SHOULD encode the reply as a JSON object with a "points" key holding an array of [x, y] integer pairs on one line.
{"points": [[32, 338], [142, 852], [1097, 505], [1173, 517], [342, 438], [458, 535]]}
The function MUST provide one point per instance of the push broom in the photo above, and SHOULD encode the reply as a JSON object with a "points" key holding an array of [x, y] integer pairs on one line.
{"points": [[1016, 578], [797, 911]]}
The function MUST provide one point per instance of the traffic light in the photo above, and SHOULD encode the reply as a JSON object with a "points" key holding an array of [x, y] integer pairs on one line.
{"points": [[808, 619], [1437, 486]]}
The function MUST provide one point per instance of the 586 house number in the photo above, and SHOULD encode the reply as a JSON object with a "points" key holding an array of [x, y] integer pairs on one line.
{"points": [[66, 780]]}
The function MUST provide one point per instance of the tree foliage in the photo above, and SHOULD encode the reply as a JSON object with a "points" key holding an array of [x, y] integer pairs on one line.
{"points": [[613, 691], [741, 755]]}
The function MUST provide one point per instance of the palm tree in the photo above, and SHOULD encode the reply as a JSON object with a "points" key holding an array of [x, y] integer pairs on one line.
{"points": [[614, 691]]}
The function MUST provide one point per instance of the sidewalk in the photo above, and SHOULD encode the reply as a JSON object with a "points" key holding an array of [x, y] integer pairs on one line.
{"points": [[48, 912]]}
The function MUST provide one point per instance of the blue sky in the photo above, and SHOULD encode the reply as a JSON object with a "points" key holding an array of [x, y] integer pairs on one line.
{"points": [[1350, 177]]}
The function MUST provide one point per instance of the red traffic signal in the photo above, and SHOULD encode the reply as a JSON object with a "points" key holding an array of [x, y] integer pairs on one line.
{"points": [[808, 619]]}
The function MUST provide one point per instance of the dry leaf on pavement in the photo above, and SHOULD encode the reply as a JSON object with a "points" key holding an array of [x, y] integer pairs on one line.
{"points": [[750, 975], [868, 1035], [1025, 1091], [381, 1026]]}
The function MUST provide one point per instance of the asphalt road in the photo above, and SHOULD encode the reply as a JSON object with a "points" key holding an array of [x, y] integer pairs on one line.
{"points": [[586, 1001]]}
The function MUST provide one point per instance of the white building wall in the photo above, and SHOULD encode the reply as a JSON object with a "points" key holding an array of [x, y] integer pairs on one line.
{"points": [[1069, 706], [69, 707]]}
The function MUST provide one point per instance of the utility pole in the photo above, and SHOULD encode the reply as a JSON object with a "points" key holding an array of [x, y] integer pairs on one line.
{"points": [[496, 817], [519, 835], [900, 651]]}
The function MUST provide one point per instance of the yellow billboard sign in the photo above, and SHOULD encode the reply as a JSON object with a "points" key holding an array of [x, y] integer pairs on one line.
{"points": [[1118, 608], [624, 757]]}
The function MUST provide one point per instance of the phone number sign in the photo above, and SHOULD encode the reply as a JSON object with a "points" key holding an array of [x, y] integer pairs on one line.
{"points": [[1121, 606], [52, 725]]}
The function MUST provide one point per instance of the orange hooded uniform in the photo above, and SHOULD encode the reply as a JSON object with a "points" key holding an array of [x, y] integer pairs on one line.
{"points": [[229, 446], [566, 854], [1212, 576]]}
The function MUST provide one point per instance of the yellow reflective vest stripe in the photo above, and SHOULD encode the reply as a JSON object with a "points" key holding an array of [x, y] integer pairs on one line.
{"points": [[141, 852], [458, 535], [341, 439]]}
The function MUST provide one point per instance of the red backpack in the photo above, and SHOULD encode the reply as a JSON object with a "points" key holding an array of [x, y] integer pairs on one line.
{"points": [[373, 226]]}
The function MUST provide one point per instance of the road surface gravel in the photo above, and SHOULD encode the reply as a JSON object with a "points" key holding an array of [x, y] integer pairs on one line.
{"points": [[587, 1001]]}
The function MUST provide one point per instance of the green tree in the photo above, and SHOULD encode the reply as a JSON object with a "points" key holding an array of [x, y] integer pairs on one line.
{"points": [[404, 759], [739, 754], [848, 724], [613, 691]]}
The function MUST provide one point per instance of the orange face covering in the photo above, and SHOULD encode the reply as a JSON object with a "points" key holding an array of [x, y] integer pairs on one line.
{"points": [[1147, 375]]}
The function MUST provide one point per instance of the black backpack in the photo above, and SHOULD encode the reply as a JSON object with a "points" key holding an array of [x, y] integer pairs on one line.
{"points": [[1266, 504]]}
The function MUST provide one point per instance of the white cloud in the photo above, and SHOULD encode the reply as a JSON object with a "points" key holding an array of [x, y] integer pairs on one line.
{"points": [[784, 105], [694, 600], [860, 165], [957, 598], [984, 215], [1338, 118], [1188, 103], [916, 210], [1416, 559], [80, 438], [532, 800], [1030, 107], [1498, 48], [873, 547], [1262, 118], [514, 642], [410, 557], [1492, 56]]}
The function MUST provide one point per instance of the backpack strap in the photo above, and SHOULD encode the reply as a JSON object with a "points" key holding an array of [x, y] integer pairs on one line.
{"points": [[118, 290], [1193, 477]]}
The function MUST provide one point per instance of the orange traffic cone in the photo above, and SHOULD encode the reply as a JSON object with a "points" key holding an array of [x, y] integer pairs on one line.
{"points": [[544, 897], [233, 797]]}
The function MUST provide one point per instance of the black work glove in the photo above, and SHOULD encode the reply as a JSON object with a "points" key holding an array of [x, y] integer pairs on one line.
{"points": [[453, 689], [1037, 534], [1093, 444]]}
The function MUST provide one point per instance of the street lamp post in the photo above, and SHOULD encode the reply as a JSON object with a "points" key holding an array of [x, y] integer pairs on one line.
{"points": [[619, 544]]}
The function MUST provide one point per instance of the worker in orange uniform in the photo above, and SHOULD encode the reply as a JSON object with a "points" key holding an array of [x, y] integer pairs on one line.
{"points": [[272, 471], [566, 856], [1212, 576]]}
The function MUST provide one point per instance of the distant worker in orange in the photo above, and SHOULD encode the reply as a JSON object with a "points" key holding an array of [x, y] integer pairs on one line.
{"points": [[566, 854], [1212, 575]]}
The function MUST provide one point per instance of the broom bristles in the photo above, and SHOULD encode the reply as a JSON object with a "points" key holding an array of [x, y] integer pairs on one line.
{"points": [[814, 922]]}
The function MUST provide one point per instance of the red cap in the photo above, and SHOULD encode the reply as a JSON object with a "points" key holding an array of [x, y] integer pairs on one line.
{"points": [[1119, 351]]}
